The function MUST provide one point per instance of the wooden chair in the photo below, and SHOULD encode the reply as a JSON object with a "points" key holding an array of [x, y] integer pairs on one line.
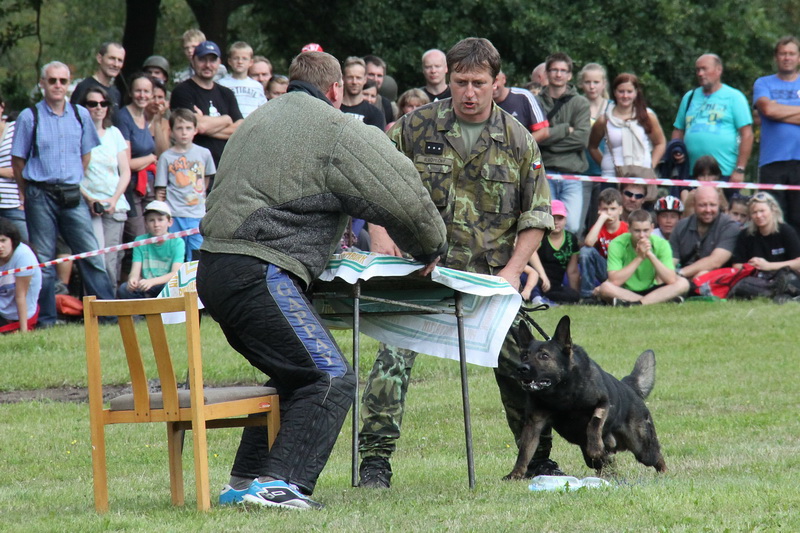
{"points": [[197, 408]]}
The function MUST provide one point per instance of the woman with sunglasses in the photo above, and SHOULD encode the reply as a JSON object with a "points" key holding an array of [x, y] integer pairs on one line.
{"points": [[106, 179], [766, 242], [133, 121], [631, 130]]}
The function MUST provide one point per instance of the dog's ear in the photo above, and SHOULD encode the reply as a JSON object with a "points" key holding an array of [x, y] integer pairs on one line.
{"points": [[523, 336], [562, 335]]}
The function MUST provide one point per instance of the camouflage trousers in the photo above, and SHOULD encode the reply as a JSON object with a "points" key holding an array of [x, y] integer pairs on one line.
{"points": [[384, 398]]}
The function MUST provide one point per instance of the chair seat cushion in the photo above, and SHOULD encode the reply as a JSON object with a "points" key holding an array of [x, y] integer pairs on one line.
{"points": [[210, 395]]}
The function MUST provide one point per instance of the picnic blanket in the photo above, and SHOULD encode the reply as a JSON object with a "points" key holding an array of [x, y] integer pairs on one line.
{"points": [[489, 306]]}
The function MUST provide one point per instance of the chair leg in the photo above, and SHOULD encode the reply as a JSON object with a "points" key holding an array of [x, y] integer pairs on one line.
{"points": [[175, 448], [99, 471], [274, 421], [201, 465]]}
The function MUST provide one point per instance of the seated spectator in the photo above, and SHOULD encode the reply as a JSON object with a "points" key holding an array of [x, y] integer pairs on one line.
{"points": [[557, 256], [688, 205], [668, 212], [276, 86], [706, 239], [153, 264], [594, 253], [640, 269], [738, 209], [19, 292], [767, 242], [633, 197]]}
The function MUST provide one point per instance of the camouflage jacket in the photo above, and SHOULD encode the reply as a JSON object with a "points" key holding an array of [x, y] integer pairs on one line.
{"points": [[485, 197]]}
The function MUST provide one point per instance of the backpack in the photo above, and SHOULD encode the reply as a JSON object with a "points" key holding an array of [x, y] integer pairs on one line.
{"points": [[35, 111], [718, 282]]}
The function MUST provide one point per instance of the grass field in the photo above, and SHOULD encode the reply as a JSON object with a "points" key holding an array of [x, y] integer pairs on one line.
{"points": [[725, 405]]}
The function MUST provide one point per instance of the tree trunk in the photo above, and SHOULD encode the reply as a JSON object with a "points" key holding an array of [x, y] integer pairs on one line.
{"points": [[141, 22], [212, 16]]}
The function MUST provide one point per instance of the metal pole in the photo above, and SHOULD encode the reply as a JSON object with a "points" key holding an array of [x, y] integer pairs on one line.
{"points": [[356, 348], [462, 355]]}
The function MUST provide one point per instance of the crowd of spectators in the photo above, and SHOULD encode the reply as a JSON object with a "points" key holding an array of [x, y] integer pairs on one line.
{"points": [[83, 168]]}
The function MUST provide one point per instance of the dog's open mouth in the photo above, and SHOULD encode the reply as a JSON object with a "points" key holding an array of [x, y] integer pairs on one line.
{"points": [[536, 385]]}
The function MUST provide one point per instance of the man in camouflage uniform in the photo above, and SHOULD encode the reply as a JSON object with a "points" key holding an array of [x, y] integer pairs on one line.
{"points": [[484, 173]]}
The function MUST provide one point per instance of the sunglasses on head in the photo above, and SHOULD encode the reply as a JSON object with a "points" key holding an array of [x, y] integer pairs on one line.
{"points": [[759, 197], [92, 104], [636, 195], [53, 81]]}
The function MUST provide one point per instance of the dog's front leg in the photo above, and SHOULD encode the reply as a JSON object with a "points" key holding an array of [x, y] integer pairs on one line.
{"points": [[594, 432], [528, 442]]}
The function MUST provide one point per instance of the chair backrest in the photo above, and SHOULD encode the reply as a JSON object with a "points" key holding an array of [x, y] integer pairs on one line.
{"points": [[151, 309]]}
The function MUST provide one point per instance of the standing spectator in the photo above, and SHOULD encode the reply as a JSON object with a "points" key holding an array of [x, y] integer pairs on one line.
{"points": [[564, 150], [538, 78], [20, 291], [434, 68], [523, 106], [640, 269], [777, 98], [142, 151], [276, 86], [492, 195], [249, 92], [277, 240], [704, 240], [594, 253], [261, 71], [191, 39], [715, 119], [594, 82], [106, 179], [110, 58], [631, 130], [182, 173], [409, 101], [376, 71], [353, 102], [157, 67], [219, 114], [10, 205], [52, 146]]}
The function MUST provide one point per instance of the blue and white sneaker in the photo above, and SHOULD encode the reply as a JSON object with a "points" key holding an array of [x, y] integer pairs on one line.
{"points": [[231, 496], [279, 494]]}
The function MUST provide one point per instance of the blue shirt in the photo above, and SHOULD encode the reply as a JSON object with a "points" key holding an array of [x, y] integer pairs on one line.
{"points": [[780, 141], [142, 142], [711, 125], [61, 140]]}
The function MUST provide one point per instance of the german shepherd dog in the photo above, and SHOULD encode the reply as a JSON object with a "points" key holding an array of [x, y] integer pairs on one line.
{"points": [[584, 404]]}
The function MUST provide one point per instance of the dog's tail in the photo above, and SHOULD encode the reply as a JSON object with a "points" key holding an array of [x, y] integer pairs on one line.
{"points": [[643, 377]]}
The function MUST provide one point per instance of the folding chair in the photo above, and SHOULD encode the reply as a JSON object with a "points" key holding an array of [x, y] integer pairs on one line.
{"points": [[197, 409]]}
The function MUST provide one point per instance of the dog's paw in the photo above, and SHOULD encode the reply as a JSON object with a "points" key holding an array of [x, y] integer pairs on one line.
{"points": [[514, 475]]}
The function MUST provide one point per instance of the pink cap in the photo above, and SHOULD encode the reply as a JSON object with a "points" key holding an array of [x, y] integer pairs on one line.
{"points": [[558, 208], [312, 47]]}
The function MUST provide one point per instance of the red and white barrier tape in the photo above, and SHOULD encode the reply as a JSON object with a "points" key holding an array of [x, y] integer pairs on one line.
{"points": [[677, 183], [116, 248]]}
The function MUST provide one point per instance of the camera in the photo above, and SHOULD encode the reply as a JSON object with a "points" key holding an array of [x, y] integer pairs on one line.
{"points": [[98, 208]]}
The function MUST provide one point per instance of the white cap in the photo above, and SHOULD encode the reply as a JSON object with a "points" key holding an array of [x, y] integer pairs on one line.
{"points": [[159, 207]]}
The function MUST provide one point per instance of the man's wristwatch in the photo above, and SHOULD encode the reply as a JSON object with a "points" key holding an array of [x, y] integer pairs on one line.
{"points": [[740, 170]]}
